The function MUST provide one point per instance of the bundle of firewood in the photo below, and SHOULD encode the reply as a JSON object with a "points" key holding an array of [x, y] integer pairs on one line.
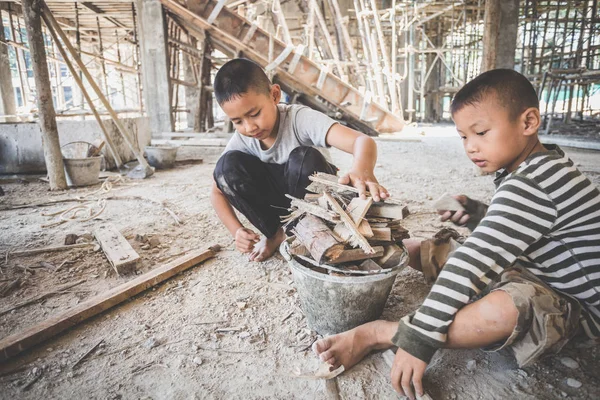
{"points": [[336, 230]]}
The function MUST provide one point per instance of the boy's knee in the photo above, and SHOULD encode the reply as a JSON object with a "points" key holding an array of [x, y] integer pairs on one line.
{"points": [[498, 308], [303, 153], [228, 163]]}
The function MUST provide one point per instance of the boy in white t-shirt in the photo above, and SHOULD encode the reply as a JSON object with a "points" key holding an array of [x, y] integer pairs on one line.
{"points": [[272, 153]]}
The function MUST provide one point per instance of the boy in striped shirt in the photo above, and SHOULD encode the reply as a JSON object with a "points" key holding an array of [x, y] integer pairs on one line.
{"points": [[532, 260]]}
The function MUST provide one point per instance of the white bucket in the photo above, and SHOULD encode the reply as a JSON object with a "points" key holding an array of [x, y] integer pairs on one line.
{"points": [[82, 171]]}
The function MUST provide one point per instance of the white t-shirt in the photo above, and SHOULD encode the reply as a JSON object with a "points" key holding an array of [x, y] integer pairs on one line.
{"points": [[298, 126]]}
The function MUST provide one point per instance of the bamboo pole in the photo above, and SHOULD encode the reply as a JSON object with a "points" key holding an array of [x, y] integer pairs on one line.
{"points": [[84, 92]]}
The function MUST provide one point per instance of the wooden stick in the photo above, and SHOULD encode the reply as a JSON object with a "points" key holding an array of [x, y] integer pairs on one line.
{"points": [[16, 343], [313, 209], [41, 296], [347, 220], [332, 182], [50, 249]]}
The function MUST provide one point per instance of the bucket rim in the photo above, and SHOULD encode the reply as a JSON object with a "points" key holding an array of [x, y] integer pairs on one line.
{"points": [[351, 279], [84, 158]]}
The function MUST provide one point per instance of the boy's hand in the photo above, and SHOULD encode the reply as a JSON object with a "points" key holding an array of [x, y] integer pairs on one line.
{"points": [[458, 217], [245, 239], [408, 370], [362, 182]]}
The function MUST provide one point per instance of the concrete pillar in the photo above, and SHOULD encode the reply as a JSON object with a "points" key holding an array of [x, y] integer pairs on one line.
{"points": [[155, 65], [32, 10], [7, 91], [500, 34]]}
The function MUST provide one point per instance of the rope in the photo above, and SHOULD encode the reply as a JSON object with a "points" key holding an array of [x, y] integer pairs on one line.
{"points": [[86, 211]]}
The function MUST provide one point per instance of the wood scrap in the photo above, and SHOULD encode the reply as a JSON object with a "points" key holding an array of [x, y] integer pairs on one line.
{"points": [[313, 209], [382, 234], [347, 220], [318, 239], [357, 209], [16, 343], [50, 249], [391, 257], [370, 265], [86, 354], [357, 254], [322, 182], [298, 249], [384, 210], [449, 203], [121, 256], [365, 229], [42, 296]]}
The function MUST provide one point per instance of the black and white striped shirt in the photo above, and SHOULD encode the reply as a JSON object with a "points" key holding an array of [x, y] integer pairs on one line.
{"points": [[546, 214]]}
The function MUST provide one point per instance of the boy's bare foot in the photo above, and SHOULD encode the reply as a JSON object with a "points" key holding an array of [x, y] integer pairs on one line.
{"points": [[265, 248], [348, 348]]}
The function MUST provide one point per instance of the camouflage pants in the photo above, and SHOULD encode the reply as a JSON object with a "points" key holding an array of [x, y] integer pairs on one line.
{"points": [[547, 319]]}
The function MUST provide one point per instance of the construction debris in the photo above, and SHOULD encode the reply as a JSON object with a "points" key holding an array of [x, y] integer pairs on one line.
{"points": [[117, 249], [333, 231]]}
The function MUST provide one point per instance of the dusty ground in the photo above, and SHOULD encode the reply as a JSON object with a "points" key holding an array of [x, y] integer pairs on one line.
{"points": [[164, 344]]}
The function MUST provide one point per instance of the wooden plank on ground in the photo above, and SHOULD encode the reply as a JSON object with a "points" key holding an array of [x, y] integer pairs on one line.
{"points": [[384, 210], [347, 220], [357, 254], [117, 249], [14, 344]]}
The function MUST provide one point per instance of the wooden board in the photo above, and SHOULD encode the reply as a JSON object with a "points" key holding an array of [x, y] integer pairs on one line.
{"points": [[447, 202], [14, 344], [383, 210], [391, 256], [357, 254], [365, 229], [117, 249], [321, 182]]}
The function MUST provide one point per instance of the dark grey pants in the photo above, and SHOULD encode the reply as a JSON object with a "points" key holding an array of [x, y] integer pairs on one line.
{"points": [[258, 189]]}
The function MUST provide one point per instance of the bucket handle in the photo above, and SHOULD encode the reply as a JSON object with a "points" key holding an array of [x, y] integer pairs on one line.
{"points": [[77, 141]]}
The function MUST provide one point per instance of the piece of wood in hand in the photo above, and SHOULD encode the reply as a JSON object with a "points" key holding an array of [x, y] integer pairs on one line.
{"points": [[117, 249], [391, 256], [357, 209], [313, 209], [383, 210], [318, 239], [347, 220], [322, 182], [382, 234], [448, 203], [357, 254]]}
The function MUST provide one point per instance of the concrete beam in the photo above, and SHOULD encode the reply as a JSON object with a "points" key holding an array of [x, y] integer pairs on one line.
{"points": [[155, 65]]}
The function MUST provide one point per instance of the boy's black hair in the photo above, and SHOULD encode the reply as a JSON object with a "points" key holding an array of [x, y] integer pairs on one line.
{"points": [[512, 90], [239, 76]]}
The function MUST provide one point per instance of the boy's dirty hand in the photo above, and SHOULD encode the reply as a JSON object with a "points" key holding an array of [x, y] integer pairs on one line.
{"points": [[458, 217], [364, 182], [245, 239], [407, 372]]}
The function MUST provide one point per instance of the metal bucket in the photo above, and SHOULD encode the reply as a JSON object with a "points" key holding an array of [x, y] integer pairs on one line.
{"points": [[82, 171], [161, 157], [334, 304]]}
